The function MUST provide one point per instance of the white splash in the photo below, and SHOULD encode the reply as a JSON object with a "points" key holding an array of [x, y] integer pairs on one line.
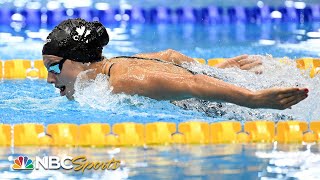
{"points": [[97, 93], [275, 74]]}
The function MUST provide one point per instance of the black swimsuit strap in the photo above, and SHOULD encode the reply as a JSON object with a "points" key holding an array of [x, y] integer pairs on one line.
{"points": [[110, 69], [155, 59]]}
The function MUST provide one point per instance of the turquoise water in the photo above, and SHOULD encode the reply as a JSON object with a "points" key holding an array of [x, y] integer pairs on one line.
{"points": [[21, 101], [255, 161], [36, 101]]}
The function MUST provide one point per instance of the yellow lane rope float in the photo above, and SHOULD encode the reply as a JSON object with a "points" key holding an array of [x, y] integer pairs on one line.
{"points": [[22, 69], [159, 133]]}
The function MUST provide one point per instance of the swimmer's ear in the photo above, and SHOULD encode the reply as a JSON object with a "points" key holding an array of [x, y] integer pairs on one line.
{"points": [[103, 36]]}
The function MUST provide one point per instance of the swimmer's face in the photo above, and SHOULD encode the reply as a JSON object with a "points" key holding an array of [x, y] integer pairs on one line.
{"points": [[66, 78]]}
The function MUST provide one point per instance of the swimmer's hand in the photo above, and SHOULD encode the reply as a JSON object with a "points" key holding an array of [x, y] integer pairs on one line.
{"points": [[243, 62], [278, 98]]}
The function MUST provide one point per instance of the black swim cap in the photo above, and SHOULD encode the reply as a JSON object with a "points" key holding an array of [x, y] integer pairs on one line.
{"points": [[77, 40]]}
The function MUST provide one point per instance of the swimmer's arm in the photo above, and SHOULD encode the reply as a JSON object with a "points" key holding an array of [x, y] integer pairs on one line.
{"points": [[169, 55], [209, 88], [168, 86], [212, 89]]}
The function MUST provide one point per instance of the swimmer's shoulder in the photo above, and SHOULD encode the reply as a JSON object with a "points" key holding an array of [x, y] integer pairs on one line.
{"points": [[126, 61], [112, 62]]}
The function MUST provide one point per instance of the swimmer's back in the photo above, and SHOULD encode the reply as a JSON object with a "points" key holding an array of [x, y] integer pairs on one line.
{"points": [[131, 64]]}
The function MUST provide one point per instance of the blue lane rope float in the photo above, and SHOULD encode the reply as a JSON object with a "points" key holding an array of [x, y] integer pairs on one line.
{"points": [[187, 14]]}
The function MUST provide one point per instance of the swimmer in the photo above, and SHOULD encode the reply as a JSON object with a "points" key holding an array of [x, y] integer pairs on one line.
{"points": [[75, 45]]}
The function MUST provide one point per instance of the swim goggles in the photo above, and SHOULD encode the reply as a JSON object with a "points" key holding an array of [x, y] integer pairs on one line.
{"points": [[57, 67]]}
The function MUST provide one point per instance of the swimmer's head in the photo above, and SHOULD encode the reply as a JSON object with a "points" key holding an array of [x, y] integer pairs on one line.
{"points": [[77, 40], [73, 46]]}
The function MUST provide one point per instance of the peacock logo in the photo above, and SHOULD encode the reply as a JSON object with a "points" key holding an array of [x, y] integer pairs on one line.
{"points": [[22, 163]]}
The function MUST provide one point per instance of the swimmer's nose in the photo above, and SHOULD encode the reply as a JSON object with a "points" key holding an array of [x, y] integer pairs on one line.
{"points": [[51, 78]]}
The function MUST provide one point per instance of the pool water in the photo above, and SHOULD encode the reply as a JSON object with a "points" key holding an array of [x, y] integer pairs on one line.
{"points": [[232, 161], [36, 101], [21, 101]]}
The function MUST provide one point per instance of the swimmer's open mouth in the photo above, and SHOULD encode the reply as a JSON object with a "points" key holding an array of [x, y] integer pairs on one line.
{"points": [[62, 90]]}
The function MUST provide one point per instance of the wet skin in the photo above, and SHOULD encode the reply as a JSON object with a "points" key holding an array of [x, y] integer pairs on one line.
{"points": [[164, 81]]}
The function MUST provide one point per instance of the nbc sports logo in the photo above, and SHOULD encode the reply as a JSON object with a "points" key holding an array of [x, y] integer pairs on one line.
{"points": [[22, 163], [78, 163]]}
